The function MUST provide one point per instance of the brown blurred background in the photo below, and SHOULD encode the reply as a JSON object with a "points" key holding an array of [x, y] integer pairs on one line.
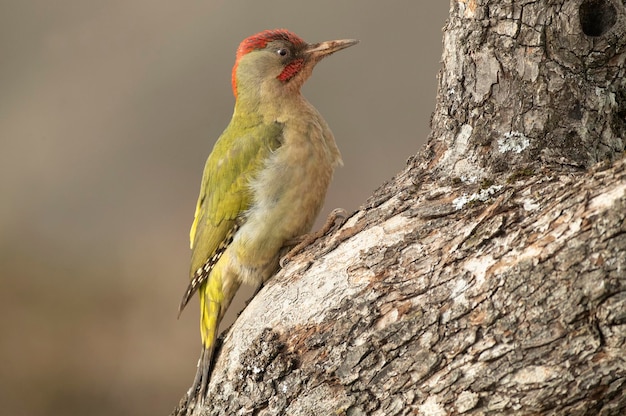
{"points": [[107, 113]]}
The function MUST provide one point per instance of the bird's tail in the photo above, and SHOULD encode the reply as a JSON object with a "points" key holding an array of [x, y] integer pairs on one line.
{"points": [[201, 380], [210, 311], [215, 297]]}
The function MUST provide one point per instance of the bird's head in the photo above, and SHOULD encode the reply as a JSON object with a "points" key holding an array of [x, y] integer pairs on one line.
{"points": [[276, 62]]}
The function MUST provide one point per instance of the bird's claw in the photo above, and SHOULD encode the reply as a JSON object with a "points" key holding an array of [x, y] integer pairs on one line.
{"points": [[302, 241]]}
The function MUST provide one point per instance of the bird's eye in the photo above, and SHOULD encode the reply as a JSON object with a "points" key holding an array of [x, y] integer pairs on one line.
{"points": [[283, 52]]}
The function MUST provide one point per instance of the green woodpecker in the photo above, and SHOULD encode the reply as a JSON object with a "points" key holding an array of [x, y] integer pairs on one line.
{"points": [[265, 180]]}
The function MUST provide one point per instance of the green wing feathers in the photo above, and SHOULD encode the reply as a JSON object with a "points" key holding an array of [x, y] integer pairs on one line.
{"points": [[225, 196]]}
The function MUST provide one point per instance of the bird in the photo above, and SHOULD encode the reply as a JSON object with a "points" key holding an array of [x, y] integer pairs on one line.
{"points": [[264, 182]]}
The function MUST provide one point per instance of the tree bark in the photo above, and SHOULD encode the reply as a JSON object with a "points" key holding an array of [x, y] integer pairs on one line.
{"points": [[489, 276]]}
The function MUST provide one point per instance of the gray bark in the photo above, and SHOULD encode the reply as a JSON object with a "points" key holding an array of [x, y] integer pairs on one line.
{"points": [[489, 276]]}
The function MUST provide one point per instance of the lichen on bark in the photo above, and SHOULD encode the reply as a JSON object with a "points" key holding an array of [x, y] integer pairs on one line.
{"points": [[489, 276]]}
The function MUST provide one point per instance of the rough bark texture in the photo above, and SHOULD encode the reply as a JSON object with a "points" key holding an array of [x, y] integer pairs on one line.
{"points": [[489, 276]]}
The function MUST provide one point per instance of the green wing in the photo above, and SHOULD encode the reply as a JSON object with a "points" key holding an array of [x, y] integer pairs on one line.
{"points": [[237, 156]]}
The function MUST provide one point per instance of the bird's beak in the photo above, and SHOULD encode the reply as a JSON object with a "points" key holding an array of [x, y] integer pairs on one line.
{"points": [[319, 50]]}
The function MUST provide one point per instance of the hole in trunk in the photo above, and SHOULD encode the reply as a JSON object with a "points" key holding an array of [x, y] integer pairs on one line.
{"points": [[596, 17]]}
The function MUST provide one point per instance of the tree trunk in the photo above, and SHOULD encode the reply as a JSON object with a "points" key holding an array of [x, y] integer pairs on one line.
{"points": [[489, 276]]}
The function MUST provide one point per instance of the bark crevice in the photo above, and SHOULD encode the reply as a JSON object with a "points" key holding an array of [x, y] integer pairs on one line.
{"points": [[489, 276]]}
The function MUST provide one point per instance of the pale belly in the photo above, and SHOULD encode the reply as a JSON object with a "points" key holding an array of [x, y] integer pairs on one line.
{"points": [[289, 193]]}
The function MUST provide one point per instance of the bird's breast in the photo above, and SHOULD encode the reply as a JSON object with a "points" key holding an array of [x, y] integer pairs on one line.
{"points": [[288, 193], [292, 185]]}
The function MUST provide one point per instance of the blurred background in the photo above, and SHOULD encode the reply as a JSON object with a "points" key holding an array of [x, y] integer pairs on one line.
{"points": [[108, 111]]}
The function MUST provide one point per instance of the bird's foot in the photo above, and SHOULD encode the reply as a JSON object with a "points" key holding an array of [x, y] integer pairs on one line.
{"points": [[300, 242]]}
